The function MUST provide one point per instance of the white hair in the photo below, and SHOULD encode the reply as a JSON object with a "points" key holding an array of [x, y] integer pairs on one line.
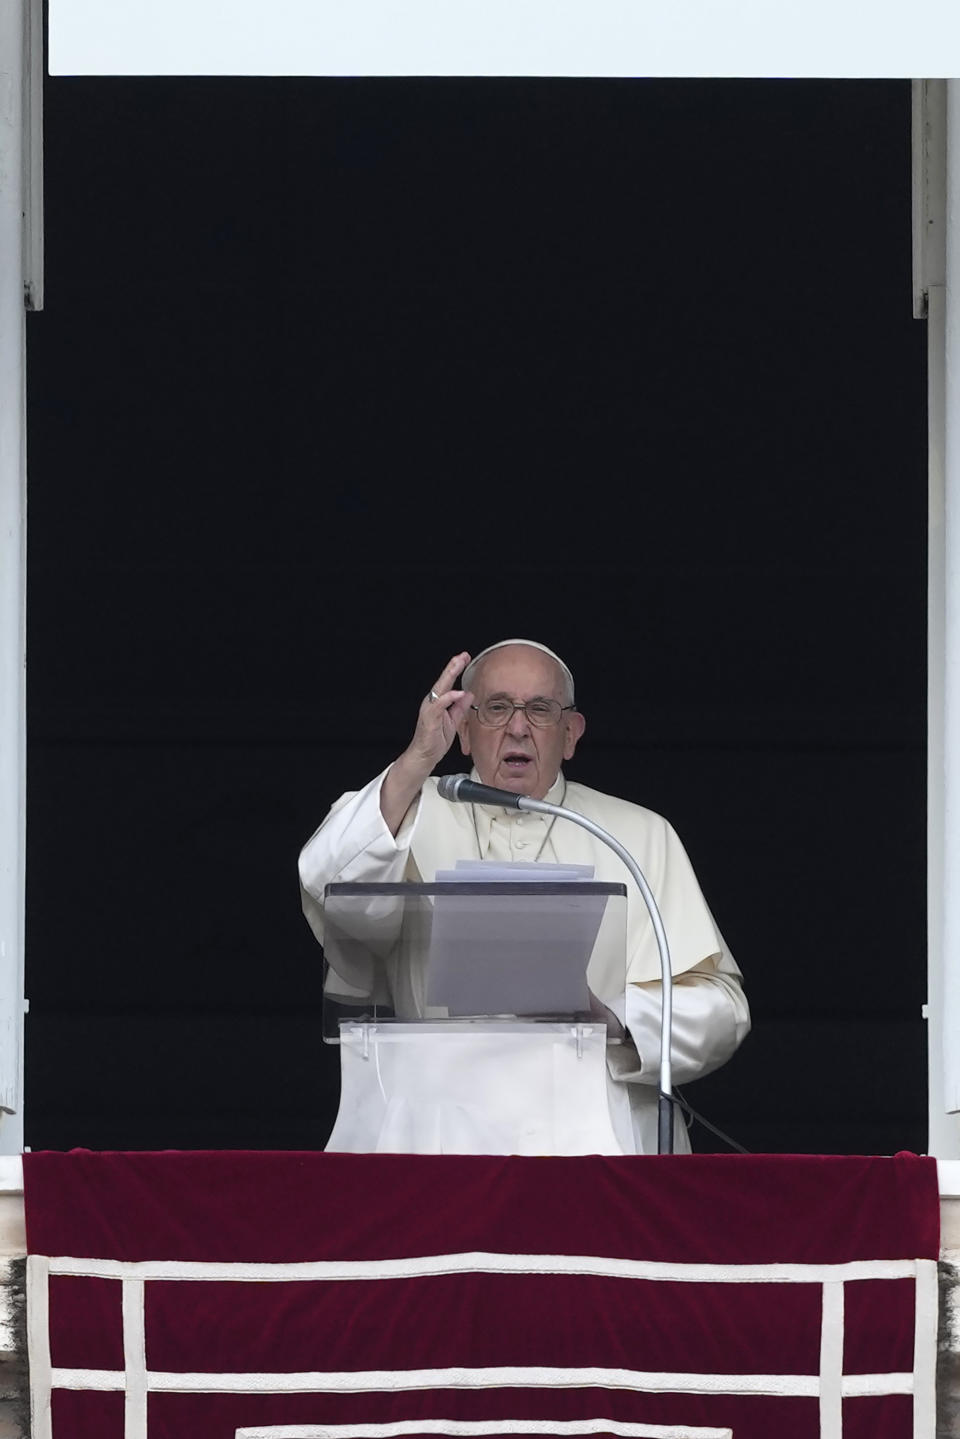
{"points": [[569, 697]]}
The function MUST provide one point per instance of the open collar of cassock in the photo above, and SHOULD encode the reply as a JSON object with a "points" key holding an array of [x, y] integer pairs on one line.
{"points": [[444, 833], [485, 814]]}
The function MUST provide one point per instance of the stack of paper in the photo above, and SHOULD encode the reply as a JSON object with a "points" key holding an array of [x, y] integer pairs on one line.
{"points": [[486, 871]]}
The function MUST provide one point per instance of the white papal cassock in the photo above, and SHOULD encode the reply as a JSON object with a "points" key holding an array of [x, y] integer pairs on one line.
{"points": [[710, 1013]]}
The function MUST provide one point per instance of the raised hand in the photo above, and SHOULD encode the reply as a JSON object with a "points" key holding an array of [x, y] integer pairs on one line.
{"points": [[441, 711]]}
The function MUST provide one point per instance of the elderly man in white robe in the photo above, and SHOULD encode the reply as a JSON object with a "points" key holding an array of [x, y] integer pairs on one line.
{"points": [[515, 716]]}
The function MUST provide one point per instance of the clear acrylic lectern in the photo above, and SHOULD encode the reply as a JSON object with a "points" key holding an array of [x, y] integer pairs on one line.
{"points": [[474, 1018]]}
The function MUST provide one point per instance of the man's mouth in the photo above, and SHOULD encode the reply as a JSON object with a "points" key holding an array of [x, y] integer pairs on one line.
{"points": [[516, 761]]}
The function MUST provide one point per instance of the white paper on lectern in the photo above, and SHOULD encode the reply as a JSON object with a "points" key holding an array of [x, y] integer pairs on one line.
{"points": [[487, 871], [512, 957]]}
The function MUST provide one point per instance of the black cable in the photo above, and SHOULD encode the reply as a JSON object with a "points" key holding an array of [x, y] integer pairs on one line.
{"points": [[688, 1109]]}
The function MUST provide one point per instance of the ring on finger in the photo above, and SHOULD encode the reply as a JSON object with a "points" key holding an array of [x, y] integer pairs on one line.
{"points": [[433, 696]]}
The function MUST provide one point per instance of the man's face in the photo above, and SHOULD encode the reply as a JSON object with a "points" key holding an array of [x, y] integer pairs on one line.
{"points": [[521, 757]]}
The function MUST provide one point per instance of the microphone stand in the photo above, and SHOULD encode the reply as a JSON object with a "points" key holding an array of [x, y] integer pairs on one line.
{"points": [[450, 787]]}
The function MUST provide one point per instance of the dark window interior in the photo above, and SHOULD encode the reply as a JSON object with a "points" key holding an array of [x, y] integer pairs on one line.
{"points": [[338, 377]]}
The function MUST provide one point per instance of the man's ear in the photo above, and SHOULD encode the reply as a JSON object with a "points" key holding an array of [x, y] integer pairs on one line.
{"points": [[576, 724], [463, 734]]}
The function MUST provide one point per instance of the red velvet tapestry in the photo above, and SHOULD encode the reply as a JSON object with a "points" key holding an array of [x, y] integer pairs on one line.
{"points": [[294, 1296]]}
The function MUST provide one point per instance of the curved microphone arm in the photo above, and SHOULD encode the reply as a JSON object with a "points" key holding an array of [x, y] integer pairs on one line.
{"points": [[665, 1103], [462, 788]]}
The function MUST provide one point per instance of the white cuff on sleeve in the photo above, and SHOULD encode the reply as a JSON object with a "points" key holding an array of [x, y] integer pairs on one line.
{"points": [[710, 1019]]}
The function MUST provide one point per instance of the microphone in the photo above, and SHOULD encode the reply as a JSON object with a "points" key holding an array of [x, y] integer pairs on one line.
{"points": [[464, 790]]}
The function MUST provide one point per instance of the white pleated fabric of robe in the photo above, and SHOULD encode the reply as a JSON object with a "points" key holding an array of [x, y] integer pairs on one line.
{"points": [[710, 1012]]}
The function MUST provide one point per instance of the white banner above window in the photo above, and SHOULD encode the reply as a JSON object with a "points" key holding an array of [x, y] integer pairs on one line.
{"points": [[748, 38]]}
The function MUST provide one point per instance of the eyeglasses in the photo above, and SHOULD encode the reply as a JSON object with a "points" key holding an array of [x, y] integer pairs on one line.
{"points": [[543, 713]]}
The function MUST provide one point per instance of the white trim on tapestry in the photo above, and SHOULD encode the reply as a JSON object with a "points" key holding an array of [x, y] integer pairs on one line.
{"points": [[467, 1428], [38, 1346], [927, 1318], [831, 1361], [507, 1376], [830, 1386], [430, 1265], [135, 1360]]}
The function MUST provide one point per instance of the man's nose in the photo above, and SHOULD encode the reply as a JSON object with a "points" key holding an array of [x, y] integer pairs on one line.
{"points": [[518, 723]]}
